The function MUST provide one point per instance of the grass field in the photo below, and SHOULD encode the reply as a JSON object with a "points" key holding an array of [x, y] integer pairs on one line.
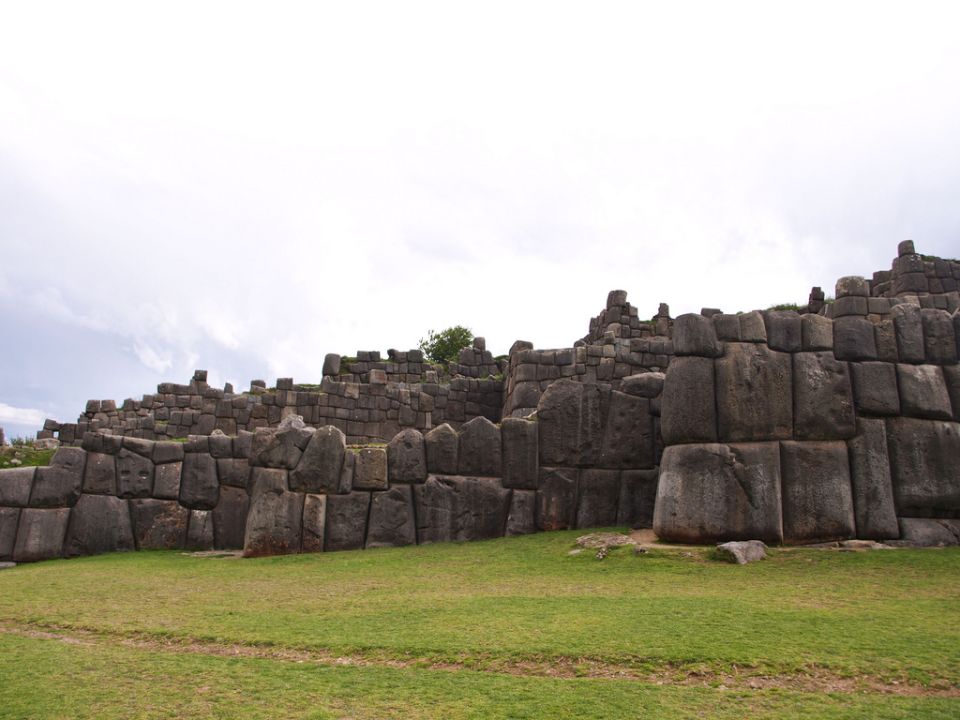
{"points": [[512, 628]]}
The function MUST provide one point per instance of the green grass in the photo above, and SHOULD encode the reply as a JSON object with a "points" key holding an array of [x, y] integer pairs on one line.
{"points": [[28, 456], [496, 617]]}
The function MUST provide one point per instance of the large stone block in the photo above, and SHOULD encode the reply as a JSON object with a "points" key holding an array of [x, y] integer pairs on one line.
{"points": [[638, 496], [823, 398], [392, 522], [628, 436], [15, 486], [923, 392], [159, 524], [921, 532], [346, 525], [460, 508], [314, 523], [199, 486], [817, 493], [134, 475], [230, 518], [598, 498], [442, 449], [875, 388], [370, 471], [40, 534], [727, 327], [234, 472], [645, 385], [557, 498], [275, 520], [522, 517], [9, 519], [924, 466], [752, 327], [715, 492], [167, 452], [951, 374], [886, 337], [688, 411], [521, 453], [908, 326], [480, 448], [407, 457], [100, 474], [784, 331], [816, 332], [98, 524], [754, 394], [281, 448], [873, 503], [853, 339], [939, 340], [200, 532], [693, 334], [320, 467], [59, 484], [569, 417]]}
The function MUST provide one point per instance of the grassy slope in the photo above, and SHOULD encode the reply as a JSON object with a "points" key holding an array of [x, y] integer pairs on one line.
{"points": [[889, 615]]}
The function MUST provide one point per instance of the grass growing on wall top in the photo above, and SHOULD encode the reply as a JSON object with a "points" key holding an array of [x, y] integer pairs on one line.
{"points": [[24, 455]]}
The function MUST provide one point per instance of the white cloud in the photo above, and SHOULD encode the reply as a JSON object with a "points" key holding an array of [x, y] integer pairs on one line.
{"points": [[21, 416]]}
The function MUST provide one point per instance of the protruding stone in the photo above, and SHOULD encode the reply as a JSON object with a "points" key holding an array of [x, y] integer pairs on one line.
{"points": [[370, 471], [823, 398], [752, 327], [98, 524], [331, 364], [754, 394], [481, 453], [319, 469], [646, 385], [406, 457], [817, 494], [442, 449], [693, 334], [520, 453], [392, 521], [616, 298], [852, 285], [688, 409], [743, 551], [905, 247]]}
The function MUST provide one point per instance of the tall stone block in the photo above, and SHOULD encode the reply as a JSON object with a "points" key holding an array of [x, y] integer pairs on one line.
{"points": [[923, 392], [923, 465], [854, 339], [406, 457], [784, 331], [370, 471], [816, 332], [314, 523], [628, 436], [275, 520], [460, 508], [754, 394], [442, 450], [823, 397], [200, 533], [557, 498], [817, 493], [598, 498], [480, 448], [638, 497], [570, 424], [392, 521], [908, 326], [40, 534], [59, 484], [135, 475], [230, 518], [9, 520], [100, 474], [199, 486], [873, 504], [939, 340], [875, 388], [346, 525], [693, 334], [98, 524], [521, 450], [688, 411], [15, 486], [159, 524], [319, 469], [522, 517]]}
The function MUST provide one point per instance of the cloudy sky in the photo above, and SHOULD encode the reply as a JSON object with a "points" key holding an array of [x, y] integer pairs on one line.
{"points": [[244, 188]]}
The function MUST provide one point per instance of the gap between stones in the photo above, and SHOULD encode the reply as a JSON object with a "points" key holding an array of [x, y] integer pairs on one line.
{"points": [[810, 680]]}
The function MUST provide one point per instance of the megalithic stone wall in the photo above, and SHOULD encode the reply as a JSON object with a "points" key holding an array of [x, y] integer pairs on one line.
{"points": [[798, 428]]}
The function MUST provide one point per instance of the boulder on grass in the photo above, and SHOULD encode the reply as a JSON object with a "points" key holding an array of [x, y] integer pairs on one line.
{"points": [[743, 551]]}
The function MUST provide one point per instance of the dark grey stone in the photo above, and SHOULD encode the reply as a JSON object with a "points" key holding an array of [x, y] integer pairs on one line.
{"points": [[688, 410], [278, 448], [752, 327], [754, 394], [159, 524], [480, 449], [59, 484], [98, 524], [570, 424], [783, 330], [230, 518], [200, 530], [199, 486], [9, 519], [221, 446], [100, 474], [370, 469], [715, 492], [852, 286], [940, 343], [166, 481], [460, 508], [557, 498], [693, 334], [521, 453], [873, 503], [314, 523], [167, 452], [817, 493], [923, 465], [522, 517], [134, 475], [275, 520], [886, 338], [853, 339], [231, 471], [40, 534], [407, 457], [15, 486], [598, 498], [923, 532], [875, 388], [743, 551], [850, 305], [638, 496], [951, 375], [392, 522], [816, 332], [727, 327], [646, 385], [140, 446], [331, 364], [442, 449], [346, 525], [628, 433], [923, 392], [823, 398], [908, 325], [320, 468]]}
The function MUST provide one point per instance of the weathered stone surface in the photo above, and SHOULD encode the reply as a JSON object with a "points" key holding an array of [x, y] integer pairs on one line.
{"points": [[407, 457], [15, 486], [875, 388], [823, 398], [59, 484], [873, 504], [638, 495], [743, 551], [9, 519], [346, 474], [557, 498], [314, 523], [480, 448], [850, 305], [230, 518], [646, 385], [134, 475], [442, 449], [715, 492], [392, 522], [370, 471], [166, 481], [693, 334], [908, 325], [281, 448], [319, 470], [275, 520], [852, 286], [784, 331], [346, 525], [234, 472], [886, 338], [99, 442], [688, 410], [98, 524], [199, 486], [939, 341], [951, 374], [221, 445], [460, 508], [40, 534], [816, 332], [167, 452], [853, 339], [923, 532], [100, 474], [522, 517], [817, 493], [521, 453], [159, 524], [140, 446], [331, 364], [570, 426], [923, 392], [200, 530], [752, 327], [598, 498], [923, 465], [628, 436], [754, 394]]}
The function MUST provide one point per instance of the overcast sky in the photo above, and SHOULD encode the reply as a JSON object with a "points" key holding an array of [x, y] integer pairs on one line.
{"points": [[245, 188]]}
